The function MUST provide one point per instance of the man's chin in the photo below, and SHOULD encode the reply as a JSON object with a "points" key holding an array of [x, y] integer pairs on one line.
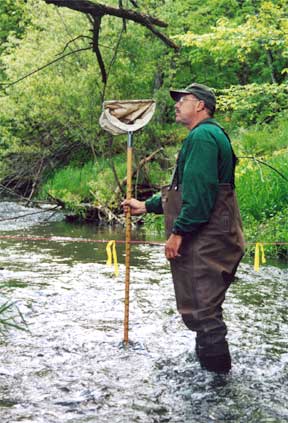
{"points": [[179, 120]]}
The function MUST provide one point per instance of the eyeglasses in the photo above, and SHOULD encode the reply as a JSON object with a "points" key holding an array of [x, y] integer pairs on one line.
{"points": [[184, 99]]}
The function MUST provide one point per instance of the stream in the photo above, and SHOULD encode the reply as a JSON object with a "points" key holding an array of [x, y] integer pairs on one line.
{"points": [[72, 367]]}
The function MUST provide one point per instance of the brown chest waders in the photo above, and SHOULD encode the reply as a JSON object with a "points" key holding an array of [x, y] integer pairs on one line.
{"points": [[204, 270]]}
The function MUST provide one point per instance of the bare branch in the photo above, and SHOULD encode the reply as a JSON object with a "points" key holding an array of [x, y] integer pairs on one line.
{"points": [[90, 19], [124, 20], [134, 3], [96, 30], [72, 41], [97, 9], [113, 58], [9, 84], [162, 36]]}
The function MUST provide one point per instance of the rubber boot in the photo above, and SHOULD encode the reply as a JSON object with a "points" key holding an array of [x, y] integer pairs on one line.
{"points": [[215, 357]]}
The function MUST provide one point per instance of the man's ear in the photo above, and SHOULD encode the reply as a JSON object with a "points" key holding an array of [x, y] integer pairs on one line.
{"points": [[200, 106]]}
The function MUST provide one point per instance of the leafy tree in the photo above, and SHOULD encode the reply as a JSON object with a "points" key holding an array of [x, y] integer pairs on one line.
{"points": [[53, 113], [52, 116], [11, 19], [12, 22], [256, 50]]}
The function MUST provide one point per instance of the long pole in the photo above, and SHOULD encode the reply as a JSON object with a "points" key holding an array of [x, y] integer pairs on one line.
{"points": [[128, 236]]}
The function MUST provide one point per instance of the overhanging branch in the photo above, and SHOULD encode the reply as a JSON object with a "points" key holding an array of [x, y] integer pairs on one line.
{"points": [[99, 10]]}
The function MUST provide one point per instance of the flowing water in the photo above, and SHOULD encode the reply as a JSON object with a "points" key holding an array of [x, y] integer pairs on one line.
{"points": [[72, 367]]}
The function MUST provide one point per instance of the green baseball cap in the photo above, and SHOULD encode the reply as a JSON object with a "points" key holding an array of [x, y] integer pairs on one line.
{"points": [[198, 90]]}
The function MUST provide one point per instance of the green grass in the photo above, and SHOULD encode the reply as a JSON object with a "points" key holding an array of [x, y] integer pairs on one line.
{"points": [[262, 192], [11, 317], [261, 139], [91, 183], [263, 200], [95, 182]]}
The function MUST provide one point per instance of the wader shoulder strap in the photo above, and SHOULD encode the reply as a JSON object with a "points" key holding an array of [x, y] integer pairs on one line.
{"points": [[175, 176]]}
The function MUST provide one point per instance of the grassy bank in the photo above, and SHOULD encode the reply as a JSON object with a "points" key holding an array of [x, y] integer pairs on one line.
{"points": [[262, 196], [92, 182], [262, 192]]}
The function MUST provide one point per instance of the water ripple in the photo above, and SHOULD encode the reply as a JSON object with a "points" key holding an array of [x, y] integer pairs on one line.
{"points": [[74, 368]]}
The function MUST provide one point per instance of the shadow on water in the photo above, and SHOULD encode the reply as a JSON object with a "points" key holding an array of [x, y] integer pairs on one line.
{"points": [[74, 368]]}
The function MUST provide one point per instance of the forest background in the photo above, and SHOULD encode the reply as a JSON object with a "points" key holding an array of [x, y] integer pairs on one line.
{"points": [[52, 146]]}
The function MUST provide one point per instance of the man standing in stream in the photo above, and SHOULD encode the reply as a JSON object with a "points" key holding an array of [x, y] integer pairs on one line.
{"points": [[203, 226]]}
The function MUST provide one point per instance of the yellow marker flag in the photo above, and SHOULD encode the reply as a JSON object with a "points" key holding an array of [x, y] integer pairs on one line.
{"points": [[259, 246], [112, 256]]}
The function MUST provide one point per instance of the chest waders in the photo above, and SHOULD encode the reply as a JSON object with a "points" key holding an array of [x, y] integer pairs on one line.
{"points": [[204, 270]]}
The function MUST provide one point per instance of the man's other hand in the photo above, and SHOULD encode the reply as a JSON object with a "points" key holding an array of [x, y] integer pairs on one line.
{"points": [[172, 246]]}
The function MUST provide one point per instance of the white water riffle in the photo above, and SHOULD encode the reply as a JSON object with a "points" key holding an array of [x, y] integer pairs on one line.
{"points": [[72, 367], [15, 216]]}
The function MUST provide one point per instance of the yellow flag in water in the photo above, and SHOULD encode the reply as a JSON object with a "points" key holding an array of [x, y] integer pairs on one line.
{"points": [[259, 247], [112, 256]]}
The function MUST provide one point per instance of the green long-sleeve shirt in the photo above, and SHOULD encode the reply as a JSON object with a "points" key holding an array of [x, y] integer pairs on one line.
{"points": [[204, 161]]}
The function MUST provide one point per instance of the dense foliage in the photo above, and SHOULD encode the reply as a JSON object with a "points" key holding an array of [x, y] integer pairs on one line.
{"points": [[12, 21], [49, 120]]}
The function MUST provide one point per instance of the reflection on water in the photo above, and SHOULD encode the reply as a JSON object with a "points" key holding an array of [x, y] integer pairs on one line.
{"points": [[73, 367]]}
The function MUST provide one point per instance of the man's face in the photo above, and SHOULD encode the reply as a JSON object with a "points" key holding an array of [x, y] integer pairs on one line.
{"points": [[186, 109]]}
